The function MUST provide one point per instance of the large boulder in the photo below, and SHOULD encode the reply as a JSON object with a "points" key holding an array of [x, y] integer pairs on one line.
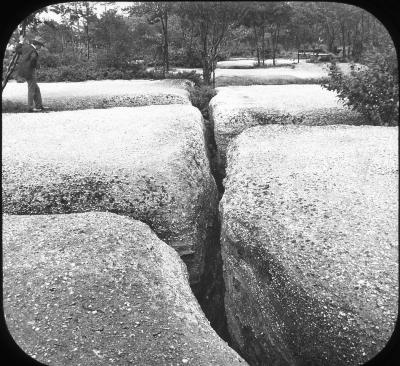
{"points": [[236, 108], [310, 243], [99, 94], [101, 289], [148, 163]]}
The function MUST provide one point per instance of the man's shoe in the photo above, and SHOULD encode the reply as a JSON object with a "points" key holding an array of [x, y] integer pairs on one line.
{"points": [[44, 108], [34, 110]]}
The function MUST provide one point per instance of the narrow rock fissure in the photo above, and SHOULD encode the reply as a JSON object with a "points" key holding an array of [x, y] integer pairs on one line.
{"points": [[210, 292], [216, 166]]}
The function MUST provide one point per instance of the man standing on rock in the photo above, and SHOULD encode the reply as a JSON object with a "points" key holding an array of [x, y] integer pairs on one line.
{"points": [[27, 70]]}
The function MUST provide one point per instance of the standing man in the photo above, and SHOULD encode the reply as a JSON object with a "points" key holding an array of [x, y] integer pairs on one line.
{"points": [[27, 70]]}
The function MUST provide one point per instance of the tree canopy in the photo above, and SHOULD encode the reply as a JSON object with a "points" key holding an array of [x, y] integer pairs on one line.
{"points": [[198, 34]]}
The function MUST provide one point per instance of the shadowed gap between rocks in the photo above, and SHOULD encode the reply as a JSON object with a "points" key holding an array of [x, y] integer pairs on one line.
{"points": [[210, 292]]}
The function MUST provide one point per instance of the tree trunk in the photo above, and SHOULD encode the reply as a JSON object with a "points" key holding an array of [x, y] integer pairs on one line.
{"points": [[263, 45], [275, 44], [213, 73], [331, 39], [165, 56], [206, 61], [257, 49], [331, 36], [87, 43], [166, 42], [206, 71], [62, 45], [87, 31], [343, 31], [361, 46], [14, 59]]}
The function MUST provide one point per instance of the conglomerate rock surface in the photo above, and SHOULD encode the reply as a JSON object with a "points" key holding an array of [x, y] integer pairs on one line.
{"points": [[97, 288], [310, 243], [148, 163], [100, 94], [236, 108]]}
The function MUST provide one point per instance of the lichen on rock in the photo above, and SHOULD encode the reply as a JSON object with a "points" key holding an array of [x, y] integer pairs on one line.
{"points": [[148, 163], [310, 243], [100, 94], [236, 108], [98, 288]]}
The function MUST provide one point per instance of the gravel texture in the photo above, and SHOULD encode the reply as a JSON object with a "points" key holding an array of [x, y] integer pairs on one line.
{"points": [[100, 94], [101, 289], [310, 243], [236, 108], [148, 163]]}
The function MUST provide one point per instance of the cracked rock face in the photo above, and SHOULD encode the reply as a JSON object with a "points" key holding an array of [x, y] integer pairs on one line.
{"points": [[236, 108], [101, 94], [310, 243], [97, 288], [148, 163]]}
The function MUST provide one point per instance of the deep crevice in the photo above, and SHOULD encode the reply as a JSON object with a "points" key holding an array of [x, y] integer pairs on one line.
{"points": [[216, 165], [210, 292]]}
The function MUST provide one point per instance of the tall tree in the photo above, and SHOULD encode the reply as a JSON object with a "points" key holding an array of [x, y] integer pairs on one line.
{"points": [[302, 25], [254, 17], [157, 12], [113, 39], [79, 16], [263, 17], [211, 21], [278, 15]]}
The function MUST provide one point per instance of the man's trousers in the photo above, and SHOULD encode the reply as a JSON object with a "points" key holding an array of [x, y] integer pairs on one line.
{"points": [[34, 96]]}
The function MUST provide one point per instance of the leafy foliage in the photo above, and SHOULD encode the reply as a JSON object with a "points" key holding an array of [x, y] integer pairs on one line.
{"points": [[200, 97], [90, 71], [189, 75], [373, 91]]}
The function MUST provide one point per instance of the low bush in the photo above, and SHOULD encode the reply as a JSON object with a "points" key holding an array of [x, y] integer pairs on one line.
{"points": [[185, 58], [373, 91], [89, 71], [189, 75], [200, 97], [49, 60]]}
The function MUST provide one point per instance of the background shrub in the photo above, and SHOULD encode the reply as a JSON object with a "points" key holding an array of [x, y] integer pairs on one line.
{"points": [[49, 60], [373, 91], [90, 71], [186, 58], [200, 97], [189, 75]]}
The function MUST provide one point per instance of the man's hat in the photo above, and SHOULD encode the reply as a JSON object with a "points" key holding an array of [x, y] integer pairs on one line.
{"points": [[38, 40]]}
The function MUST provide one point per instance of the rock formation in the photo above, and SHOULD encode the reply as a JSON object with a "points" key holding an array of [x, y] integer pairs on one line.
{"points": [[236, 108], [98, 288], [101, 94], [148, 163], [310, 243]]}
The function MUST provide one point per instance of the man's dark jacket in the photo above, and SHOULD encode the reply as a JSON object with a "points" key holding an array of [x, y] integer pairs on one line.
{"points": [[28, 60]]}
